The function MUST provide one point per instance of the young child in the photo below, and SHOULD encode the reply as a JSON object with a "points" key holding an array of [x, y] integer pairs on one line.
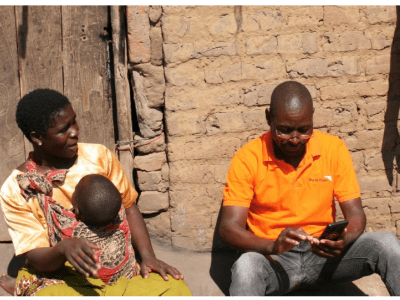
{"points": [[100, 218], [97, 216]]}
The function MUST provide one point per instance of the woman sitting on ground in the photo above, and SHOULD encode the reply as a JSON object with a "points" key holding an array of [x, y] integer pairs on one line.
{"points": [[48, 121]]}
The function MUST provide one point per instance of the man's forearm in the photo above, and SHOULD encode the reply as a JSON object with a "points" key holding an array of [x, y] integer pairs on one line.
{"points": [[355, 228], [245, 241], [354, 213], [232, 230]]}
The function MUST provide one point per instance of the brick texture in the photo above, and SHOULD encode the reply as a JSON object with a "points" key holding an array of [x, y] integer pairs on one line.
{"points": [[220, 68]]}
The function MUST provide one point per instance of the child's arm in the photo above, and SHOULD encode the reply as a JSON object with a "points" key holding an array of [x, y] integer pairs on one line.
{"points": [[78, 251], [141, 243]]}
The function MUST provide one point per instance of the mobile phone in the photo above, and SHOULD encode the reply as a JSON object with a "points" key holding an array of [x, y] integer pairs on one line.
{"points": [[334, 230]]}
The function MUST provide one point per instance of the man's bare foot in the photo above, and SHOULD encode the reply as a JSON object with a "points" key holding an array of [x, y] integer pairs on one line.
{"points": [[7, 283]]}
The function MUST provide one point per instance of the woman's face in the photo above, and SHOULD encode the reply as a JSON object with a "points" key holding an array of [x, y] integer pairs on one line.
{"points": [[61, 139]]}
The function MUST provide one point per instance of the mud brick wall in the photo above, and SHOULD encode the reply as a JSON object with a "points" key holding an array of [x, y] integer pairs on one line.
{"points": [[148, 85], [207, 74]]}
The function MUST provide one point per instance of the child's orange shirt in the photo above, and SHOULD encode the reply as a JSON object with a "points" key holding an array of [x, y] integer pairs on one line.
{"points": [[279, 196]]}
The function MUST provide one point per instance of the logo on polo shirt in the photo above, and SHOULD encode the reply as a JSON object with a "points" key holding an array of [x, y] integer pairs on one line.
{"points": [[326, 178]]}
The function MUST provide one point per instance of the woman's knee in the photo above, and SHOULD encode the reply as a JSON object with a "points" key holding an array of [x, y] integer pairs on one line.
{"points": [[177, 287]]}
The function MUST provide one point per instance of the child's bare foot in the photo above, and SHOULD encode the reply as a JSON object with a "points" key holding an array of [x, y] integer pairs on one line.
{"points": [[7, 283]]}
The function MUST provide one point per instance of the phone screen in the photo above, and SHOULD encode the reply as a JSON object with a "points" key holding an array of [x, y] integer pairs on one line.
{"points": [[334, 230]]}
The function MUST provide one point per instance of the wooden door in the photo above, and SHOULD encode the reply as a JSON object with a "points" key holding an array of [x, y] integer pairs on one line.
{"points": [[64, 48], [11, 138], [87, 80]]}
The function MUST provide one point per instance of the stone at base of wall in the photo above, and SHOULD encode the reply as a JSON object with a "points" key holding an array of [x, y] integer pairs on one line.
{"points": [[151, 162], [153, 202], [156, 145]]}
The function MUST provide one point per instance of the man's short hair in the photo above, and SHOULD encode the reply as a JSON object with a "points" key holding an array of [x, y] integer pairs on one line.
{"points": [[37, 110], [97, 199]]}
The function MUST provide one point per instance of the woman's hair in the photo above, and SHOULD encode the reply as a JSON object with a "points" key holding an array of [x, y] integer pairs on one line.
{"points": [[37, 110]]}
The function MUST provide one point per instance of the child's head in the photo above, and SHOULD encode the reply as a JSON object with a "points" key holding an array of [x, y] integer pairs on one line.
{"points": [[96, 200]]}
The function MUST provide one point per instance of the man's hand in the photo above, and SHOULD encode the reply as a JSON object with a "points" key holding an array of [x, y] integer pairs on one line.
{"points": [[155, 265], [329, 249], [81, 254], [289, 238]]}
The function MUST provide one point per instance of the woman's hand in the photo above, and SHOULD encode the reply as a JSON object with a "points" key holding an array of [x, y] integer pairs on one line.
{"points": [[81, 254], [78, 251], [141, 243], [155, 265]]}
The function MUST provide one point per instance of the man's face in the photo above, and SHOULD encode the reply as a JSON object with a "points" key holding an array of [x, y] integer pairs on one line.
{"points": [[291, 130]]}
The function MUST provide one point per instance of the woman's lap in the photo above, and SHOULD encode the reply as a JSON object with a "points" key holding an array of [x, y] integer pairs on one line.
{"points": [[155, 285], [136, 286], [67, 282]]}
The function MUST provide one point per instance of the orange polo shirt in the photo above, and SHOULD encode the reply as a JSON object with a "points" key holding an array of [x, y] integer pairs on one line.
{"points": [[279, 196]]}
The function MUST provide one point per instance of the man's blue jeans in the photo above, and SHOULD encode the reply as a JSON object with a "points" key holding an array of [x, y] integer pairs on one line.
{"points": [[254, 274]]}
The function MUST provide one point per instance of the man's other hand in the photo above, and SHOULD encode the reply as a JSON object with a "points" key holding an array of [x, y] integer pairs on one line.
{"points": [[289, 238], [329, 249]]}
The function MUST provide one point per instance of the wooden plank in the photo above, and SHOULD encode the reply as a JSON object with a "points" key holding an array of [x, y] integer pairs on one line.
{"points": [[122, 93], [86, 74], [39, 49], [11, 138]]}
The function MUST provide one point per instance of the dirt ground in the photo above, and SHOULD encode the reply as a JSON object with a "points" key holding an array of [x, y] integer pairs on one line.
{"points": [[208, 274]]}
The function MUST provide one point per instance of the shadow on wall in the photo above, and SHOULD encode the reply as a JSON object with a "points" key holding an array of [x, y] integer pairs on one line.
{"points": [[222, 259], [391, 137]]}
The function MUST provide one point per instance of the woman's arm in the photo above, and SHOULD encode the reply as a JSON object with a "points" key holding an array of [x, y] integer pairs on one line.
{"points": [[79, 252], [141, 243], [140, 236]]}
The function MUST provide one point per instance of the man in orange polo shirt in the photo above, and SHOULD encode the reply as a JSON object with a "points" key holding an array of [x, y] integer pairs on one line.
{"points": [[279, 197]]}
